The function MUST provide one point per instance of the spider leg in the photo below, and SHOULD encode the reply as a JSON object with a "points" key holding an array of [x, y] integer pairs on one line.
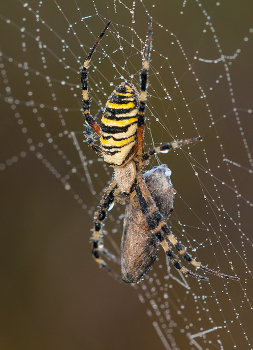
{"points": [[168, 146], [159, 227], [110, 256], [97, 245], [89, 136], [98, 114], [144, 75], [91, 122], [90, 140], [156, 223], [186, 256]]}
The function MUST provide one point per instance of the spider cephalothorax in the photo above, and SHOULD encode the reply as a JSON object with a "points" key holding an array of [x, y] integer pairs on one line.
{"points": [[121, 136]]}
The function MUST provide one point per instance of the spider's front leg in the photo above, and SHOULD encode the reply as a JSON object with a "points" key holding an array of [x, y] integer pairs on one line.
{"points": [[144, 77], [97, 246], [91, 122], [89, 136]]}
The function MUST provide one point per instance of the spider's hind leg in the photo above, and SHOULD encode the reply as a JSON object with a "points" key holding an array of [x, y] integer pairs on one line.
{"points": [[97, 245], [157, 224], [159, 227], [187, 257]]}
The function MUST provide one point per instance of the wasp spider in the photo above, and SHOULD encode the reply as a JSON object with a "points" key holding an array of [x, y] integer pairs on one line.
{"points": [[121, 136]]}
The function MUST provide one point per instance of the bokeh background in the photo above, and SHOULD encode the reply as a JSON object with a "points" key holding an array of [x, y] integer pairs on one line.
{"points": [[53, 296]]}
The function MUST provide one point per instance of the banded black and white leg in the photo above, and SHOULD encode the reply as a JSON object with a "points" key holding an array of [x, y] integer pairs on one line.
{"points": [[169, 146], [91, 122], [90, 136], [144, 77], [159, 227], [97, 245]]}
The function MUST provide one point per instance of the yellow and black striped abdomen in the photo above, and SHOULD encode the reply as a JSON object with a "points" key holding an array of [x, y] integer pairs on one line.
{"points": [[119, 124]]}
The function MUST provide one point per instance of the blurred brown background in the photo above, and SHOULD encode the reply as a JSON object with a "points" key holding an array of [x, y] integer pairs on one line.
{"points": [[53, 296]]}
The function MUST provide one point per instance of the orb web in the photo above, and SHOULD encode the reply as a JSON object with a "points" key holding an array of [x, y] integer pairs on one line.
{"points": [[199, 83]]}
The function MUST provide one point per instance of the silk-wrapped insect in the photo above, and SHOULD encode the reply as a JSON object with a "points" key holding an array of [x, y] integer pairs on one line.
{"points": [[139, 246]]}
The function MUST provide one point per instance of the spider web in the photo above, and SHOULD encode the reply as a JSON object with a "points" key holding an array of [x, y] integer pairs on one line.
{"points": [[53, 294]]}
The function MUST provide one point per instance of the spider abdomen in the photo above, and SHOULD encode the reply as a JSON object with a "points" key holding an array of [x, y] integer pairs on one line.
{"points": [[119, 124], [139, 246]]}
